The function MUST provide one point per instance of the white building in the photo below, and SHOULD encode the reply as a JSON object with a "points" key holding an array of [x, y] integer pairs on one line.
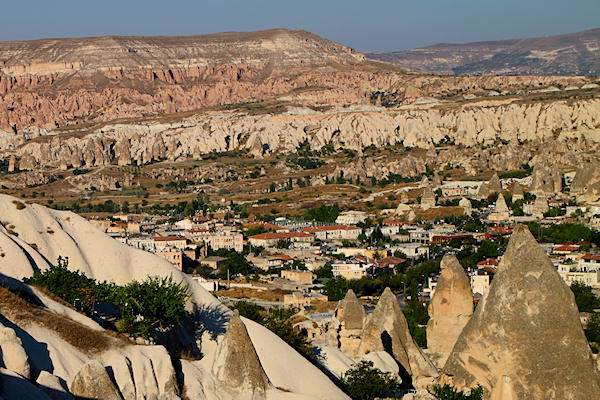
{"points": [[351, 269], [351, 217]]}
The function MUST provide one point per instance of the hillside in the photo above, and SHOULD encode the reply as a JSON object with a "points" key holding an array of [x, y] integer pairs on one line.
{"points": [[570, 54]]}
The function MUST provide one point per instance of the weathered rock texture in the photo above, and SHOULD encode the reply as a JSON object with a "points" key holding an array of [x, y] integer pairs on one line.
{"points": [[386, 329], [93, 382], [586, 183], [237, 365], [526, 329], [351, 316], [450, 310], [13, 354]]}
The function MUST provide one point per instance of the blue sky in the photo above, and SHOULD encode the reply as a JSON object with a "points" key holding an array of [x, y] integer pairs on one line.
{"points": [[363, 24]]}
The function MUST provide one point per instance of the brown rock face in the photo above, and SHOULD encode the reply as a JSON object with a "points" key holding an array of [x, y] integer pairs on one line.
{"points": [[586, 183], [526, 335], [494, 184], [350, 312], [351, 316], [450, 309], [236, 364], [386, 329], [93, 382]]}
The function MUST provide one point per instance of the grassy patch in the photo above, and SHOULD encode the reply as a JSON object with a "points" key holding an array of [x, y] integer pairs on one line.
{"points": [[22, 311]]}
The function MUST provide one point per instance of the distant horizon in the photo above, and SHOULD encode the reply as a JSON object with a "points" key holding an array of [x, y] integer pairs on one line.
{"points": [[291, 29], [379, 26]]}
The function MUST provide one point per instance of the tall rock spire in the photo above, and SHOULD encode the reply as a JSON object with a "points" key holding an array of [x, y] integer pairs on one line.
{"points": [[527, 332]]}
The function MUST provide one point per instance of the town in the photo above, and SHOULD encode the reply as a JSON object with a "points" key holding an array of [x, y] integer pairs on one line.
{"points": [[308, 262]]}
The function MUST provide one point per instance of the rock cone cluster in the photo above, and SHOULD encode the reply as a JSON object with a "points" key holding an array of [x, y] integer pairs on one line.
{"points": [[386, 329], [525, 338]]}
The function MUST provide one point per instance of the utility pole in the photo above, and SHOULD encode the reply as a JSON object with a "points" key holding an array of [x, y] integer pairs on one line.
{"points": [[228, 278]]}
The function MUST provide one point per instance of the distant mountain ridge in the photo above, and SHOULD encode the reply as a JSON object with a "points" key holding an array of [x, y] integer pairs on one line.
{"points": [[569, 54]]}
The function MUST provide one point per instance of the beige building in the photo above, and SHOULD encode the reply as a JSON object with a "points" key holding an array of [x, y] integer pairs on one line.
{"points": [[297, 275], [334, 232], [270, 239], [173, 256], [299, 299], [230, 240]]}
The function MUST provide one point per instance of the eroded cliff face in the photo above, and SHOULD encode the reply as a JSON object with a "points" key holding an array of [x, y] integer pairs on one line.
{"points": [[258, 135]]}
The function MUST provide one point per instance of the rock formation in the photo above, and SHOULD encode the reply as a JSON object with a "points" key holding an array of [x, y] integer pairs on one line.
{"points": [[450, 309], [517, 192], [546, 179], [93, 382], [351, 315], [494, 185], [237, 365], [14, 357], [500, 207], [427, 199], [386, 329], [586, 183], [527, 329], [53, 386], [466, 205]]}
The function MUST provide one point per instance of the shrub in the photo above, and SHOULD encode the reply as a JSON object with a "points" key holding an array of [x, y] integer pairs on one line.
{"points": [[584, 297], [365, 382], [19, 204], [448, 392], [154, 304]]}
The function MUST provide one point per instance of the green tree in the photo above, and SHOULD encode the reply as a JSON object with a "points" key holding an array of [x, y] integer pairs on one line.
{"points": [[154, 304], [592, 329], [365, 382], [336, 288], [448, 392], [584, 297]]}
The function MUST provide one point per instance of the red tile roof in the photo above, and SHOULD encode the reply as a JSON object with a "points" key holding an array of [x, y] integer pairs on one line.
{"points": [[279, 235], [167, 238], [330, 228]]}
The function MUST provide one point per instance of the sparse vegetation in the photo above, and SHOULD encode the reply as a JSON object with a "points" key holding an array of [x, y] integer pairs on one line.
{"points": [[365, 382]]}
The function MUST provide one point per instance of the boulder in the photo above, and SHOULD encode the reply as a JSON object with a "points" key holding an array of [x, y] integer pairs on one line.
{"points": [[93, 382], [236, 363], [53, 386], [386, 329], [15, 386], [14, 357], [450, 309], [526, 329]]}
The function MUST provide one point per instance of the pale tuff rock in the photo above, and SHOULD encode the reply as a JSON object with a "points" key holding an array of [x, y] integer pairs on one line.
{"points": [[350, 312], [224, 131], [466, 205], [538, 208], [503, 390], [484, 191], [237, 365], [143, 371], [450, 309], [494, 185], [351, 315], [14, 386], [500, 207], [386, 329], [546, 179], [517, 192], [53, 386], [528, 311], [586, 183], [427, 199], [93, 382], [13, 354]]}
